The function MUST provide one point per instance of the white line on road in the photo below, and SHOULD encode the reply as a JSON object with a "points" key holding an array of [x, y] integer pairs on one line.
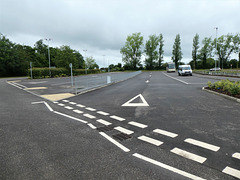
{"points": [[68, 107], [189, 155], [104, 122], [115, 142], [175, 78], [91, 126], [117, 118], [73, 103], [89, 116], [80, 105], [65, 115], [123, 130], [43, 102], [137, 124], [60, 104], [202, 144], [90, 109], [236, 155], [65, 100], [103, 113], [170, 168], [150, 140], [165, 133], [77, 111], [232, 172]]}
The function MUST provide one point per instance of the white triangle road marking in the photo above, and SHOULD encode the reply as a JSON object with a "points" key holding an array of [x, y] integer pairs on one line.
{"points": [[144, 102]]}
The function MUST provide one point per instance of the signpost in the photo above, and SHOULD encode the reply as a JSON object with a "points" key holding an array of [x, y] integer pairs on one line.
{"points": [[31, 69], [70, 65]]}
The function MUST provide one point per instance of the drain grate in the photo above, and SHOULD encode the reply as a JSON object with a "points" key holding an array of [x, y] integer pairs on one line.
{"points": [[121, 136], [105, 128]]}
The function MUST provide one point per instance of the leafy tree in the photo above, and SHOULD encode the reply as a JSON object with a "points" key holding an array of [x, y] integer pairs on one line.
{"points": [[195, 50], [132, 51], [206, 51], [151, 51], [236, 44], [176, 52], [160, 51], [91, 63]]}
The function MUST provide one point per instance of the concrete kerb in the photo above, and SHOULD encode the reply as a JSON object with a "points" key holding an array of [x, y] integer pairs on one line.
{"points": [[223, 95]]}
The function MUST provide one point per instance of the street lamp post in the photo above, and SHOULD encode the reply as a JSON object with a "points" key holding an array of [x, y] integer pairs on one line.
{"points": [[104, 61], [85, 50], [216, 50], [49, 56]]}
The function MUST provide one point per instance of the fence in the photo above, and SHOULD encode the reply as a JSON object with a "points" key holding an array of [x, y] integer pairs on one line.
{"points": [[219, 73], [85, 83]]}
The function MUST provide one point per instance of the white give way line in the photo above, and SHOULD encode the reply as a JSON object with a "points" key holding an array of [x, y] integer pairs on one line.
{"points": [[143, 103]]}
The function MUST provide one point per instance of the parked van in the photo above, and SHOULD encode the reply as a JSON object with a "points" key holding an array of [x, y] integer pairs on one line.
{"points": [[184, 70], [171, 67]]}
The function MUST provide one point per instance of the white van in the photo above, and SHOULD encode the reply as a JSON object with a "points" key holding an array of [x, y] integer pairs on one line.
{"points": [[170, 67], [184, 70]]}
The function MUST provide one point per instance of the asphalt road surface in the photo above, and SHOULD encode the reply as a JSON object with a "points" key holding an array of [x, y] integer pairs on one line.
{"points": [[156, 125]]}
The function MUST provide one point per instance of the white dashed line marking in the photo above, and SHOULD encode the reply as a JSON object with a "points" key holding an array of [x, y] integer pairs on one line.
{"points": [[68, 107], [73, 103], [65, 100], [117, 118], [189, 155], [91, 126], [115, 142], [236, 155], [60, 104], [202, 144], [80, 105], [70, 117], [123, 130], [89, 116], [77, 111], [104, 122], [103, 113], [90, 109], [165, 133], [150, 140], [137, 124], [232, 172], [55, 102]]}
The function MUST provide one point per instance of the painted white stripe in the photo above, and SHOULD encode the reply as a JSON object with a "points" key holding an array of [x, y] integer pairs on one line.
{"points": [[91, 126], [165, 133], [175, 78], [90, 109], [55, 102], [19, 85], [65, 100], [65, 115], [150, 140], [89, 116], [60, 104], [80, 105], [170, 168], [117, 118], [77, 111], [103, 113], [14, 85], [137, 124], [123, 130], [104, 122], [68, 107], [46, 104], [115, 142], [73, 103], [236, 155], [189, 155], [231, 171], [202, 144]]}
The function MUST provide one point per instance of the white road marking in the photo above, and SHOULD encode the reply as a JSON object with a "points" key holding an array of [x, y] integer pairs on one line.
{"points": [[80, 105], [175, 78], [60, 104], [55, 102], [89, 116], [236, 155], [77, 111], [232, 172], [65, 115], [165, 133], [73, 103], [90, 109], [91, 126], [68, 107], [43, 102], [123, 130], [202, 144], [65, 100], [150, 140], [137, 124], [14, 85], [104, 122], [115, 142], [117, 118], [170, 168], [144, 102], [103, 113], [189, 155]]}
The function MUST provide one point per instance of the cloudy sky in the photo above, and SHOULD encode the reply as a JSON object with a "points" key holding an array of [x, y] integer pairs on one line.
{"points": [[102, 26]]}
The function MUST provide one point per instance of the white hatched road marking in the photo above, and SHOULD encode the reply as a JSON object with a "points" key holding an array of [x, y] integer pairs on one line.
{"points": [[104, 122], [60, 104], [89, 116], [91, 126], [236, 155], [73, 103], [68, 107], [55, 102], [65, 100], [77, 111], [90, 109], [137, 124], [115, 142], [232, 172], [189, 155], [70, 117], [170, 168], [165, 133], [103, 113], [123, 130], [150, 140], [80, 105], [117, 118], [202, 144]]}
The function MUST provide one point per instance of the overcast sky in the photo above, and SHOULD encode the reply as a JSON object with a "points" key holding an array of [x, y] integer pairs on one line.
{"points": [[102, 26]]}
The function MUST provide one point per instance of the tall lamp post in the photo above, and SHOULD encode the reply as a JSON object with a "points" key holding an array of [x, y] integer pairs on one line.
{"points": [[85, 50], [216, 49], [104, 61], [49, 56]]}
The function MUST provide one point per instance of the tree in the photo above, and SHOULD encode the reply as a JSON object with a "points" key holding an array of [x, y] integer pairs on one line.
{"points": [[236, 43], [176, 52], [206, 51], [160, 51], [132, 51], [151, 51], [195, 50], [91, 63]]}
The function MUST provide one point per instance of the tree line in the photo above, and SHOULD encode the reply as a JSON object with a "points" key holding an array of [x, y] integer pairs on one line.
{"points": [[202, 57]]}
